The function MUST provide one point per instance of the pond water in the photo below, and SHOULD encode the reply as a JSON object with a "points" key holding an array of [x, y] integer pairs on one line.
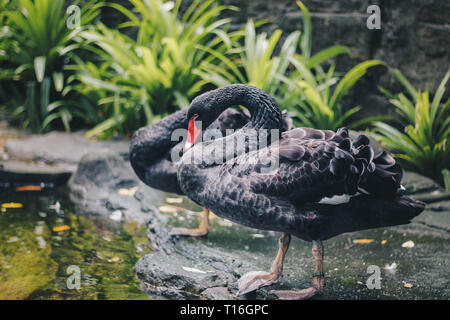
{"points": [[41, 236]]}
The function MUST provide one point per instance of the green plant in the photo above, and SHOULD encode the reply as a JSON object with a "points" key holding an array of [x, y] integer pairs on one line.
{"points": [[424, 143], [37, 46], [320, 93], [147, 77], [316, 94], [305, 91], [254, 62]]}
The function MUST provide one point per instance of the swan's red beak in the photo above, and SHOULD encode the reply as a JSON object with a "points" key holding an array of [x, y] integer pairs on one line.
{"points": [[193, 133]]}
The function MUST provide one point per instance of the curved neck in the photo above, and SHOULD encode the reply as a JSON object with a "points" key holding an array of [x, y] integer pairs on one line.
{"points": [[198, 163], [265, 114]]}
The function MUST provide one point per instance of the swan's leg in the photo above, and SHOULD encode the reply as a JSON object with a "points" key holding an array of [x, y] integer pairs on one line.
{"points": [[256, 279], [202, 229], [318, 282]]}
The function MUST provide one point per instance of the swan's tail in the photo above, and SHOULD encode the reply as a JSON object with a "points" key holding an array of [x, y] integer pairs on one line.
{"points": [[378, 175], [362, 212]]}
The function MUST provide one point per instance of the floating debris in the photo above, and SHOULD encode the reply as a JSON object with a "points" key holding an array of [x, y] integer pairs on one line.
{"points": [[363, 241], [28, 188], [168, 209], [391, 268], [38, 230], [193, 270], [61, 228], [407, 285], [42, 214], [127, 192], [257, 235], [174, 200], [12, 205], [116, 215], [408, 244], [41, 242], [12, 239], [383, 242], [56, 207], [115, 259]]}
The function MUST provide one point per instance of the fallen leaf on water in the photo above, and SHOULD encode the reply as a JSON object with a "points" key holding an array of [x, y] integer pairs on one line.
{"points": [[174, 200], [11, 205], [363, 241], [168, 209], [408, 244], [193, 270], [114, 259], [29, 188], [383, 242], [407, 285], [127, 192], [391, 268], [257, 235], [61, 228], [12, 239]]}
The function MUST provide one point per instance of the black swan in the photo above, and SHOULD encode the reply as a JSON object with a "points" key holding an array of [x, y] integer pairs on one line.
{"points": [[151, 148], [325, 183]]}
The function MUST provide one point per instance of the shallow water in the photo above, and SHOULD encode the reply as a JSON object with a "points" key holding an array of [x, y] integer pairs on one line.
{"points": [[39, 242]]}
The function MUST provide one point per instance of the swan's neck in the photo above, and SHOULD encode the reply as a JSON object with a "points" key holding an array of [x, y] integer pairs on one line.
{"points": [[200, 162], [265, 114]]}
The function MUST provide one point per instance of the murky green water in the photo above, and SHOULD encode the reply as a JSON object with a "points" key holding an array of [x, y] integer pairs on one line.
{"points": [[41, 240]]}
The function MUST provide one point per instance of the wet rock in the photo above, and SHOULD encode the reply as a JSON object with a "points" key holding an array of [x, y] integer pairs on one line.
{"points": [[216, 293], [60, 147], [51, 157], [15, 172], [96, 187]]}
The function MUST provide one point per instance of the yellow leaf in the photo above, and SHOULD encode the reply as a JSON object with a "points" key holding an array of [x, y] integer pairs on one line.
{"points": [[11, 205], [363, 241], [61, 228], [383, 241]]}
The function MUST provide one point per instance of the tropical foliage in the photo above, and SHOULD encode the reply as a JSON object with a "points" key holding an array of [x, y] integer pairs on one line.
{"points": [[312, 96], [144, 78], [37, 45], [423, 142], [163, 53]]}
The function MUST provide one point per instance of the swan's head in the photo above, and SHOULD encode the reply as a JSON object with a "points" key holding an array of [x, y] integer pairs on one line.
{"points": [[201, 114]]}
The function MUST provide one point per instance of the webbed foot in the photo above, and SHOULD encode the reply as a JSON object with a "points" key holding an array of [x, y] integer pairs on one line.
{"points": [[254, 280]]}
